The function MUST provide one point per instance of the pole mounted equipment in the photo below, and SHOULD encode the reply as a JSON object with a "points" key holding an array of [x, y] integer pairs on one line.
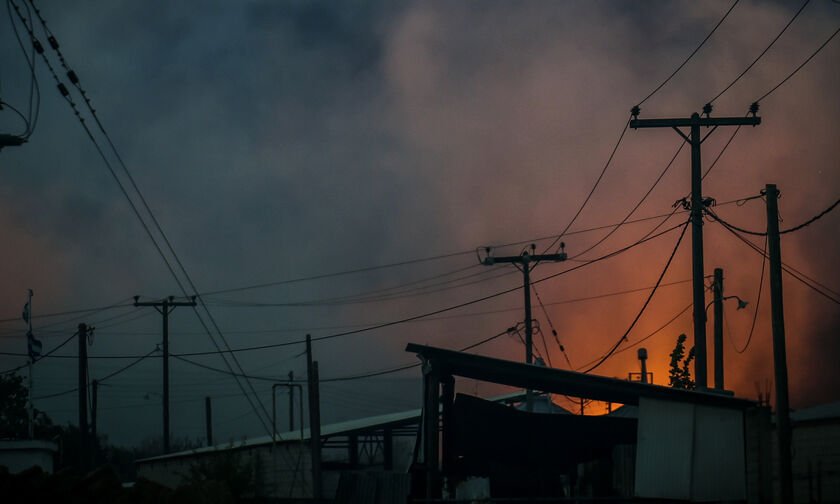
{"points": [[525, 259], [697, 206]]}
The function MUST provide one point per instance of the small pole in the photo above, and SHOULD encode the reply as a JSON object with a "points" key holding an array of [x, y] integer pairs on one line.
{"points": [[718, 336], [93, 410], [779, 355], [30, 410], [83, 419], [291, 402], [208, 420]]}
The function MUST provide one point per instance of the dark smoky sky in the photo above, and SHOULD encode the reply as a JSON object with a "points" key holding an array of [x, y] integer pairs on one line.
{"points": [[279, 140]]}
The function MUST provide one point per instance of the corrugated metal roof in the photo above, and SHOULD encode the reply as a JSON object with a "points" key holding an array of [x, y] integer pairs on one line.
{"points": [[338, 428]]}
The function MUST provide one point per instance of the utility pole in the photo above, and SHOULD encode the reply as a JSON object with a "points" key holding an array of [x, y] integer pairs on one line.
{"points": [[779, 355], [314, 418], [83, 419], [208, 420], [525, 259], [164, 307], [94, 401], [717, 288], [292, 402], [698, 203]]}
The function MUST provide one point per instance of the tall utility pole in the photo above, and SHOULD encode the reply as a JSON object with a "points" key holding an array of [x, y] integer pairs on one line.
{"points": [[779, 355], [525, 259], [83, 378], [717, 288], [698, 203], [165, 307], [314, 418]]}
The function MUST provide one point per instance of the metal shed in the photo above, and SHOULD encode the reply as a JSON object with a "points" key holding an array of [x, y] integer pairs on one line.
{"points": [[690, 444]]}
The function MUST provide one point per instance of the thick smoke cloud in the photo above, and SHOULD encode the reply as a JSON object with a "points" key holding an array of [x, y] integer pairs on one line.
{"points": [[278, 141]]}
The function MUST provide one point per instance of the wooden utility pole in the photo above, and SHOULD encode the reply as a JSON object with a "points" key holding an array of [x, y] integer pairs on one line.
{"points": [[208, 420], [717, 288], [779, 355], [525, 259], [83, 418], [697, 205], [165, 307], [292, 401], [94, 401], [314, 418]]}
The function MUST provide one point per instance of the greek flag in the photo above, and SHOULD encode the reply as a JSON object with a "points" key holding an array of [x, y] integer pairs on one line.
{"points": [[34, 346]]}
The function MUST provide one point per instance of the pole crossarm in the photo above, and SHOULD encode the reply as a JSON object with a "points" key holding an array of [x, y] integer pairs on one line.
{"points": [[524, 258], [691, 121]]}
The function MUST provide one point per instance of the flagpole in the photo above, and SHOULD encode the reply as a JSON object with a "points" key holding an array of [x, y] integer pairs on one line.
{"points": [[29, 409]]}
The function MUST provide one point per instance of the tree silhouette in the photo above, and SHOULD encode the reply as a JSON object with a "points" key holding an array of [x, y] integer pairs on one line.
{"points": [[679, 373]]}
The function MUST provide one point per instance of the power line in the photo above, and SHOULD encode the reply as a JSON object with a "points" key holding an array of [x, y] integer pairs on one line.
{"points": [[689, 56], [74, 79], [762, 53], [789, 270], [757, 303], [644, 306], [820, 48], [790, 230], [111, 375]]}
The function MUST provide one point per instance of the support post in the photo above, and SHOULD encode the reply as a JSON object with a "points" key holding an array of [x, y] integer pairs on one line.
{"points": [[314, 418], [779, 354], [27, 316], [208, 420], [83, 419], [292, 401], [448, 422], [388, 448], [94, 401], [698, 204], [165, 307], [717, 287], [431, 412], [165, 312]]}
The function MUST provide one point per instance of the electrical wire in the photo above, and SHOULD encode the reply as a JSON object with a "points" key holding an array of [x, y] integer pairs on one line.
{"points": [[762, 53], [106, 377], [74, 79], [790, 230], [592, 191], [690, 55], [343, 378], [820, 48], [48, 354], [757, 304], [644, 306], [787, 269]]}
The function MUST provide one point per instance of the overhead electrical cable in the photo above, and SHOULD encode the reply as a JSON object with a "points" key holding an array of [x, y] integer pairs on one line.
{"points": [[757, 304], [74, 80], [801, 8], [820, 48], [687, 59], [106, 377], [787, 269], [808, 222], [644, 306]]}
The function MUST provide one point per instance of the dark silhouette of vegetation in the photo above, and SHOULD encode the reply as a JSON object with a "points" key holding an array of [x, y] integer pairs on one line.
{"points": [[680, 372]]}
